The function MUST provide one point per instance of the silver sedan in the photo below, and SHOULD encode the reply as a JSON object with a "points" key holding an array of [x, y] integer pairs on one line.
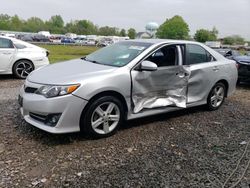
{"points": [[124, 81]]}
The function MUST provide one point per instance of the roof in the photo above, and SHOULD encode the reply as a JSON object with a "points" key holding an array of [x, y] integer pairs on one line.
{"points": [[156, 41]]}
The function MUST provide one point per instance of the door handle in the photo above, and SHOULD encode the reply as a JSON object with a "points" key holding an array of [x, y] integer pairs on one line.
{"points": [[215, 68], [6, 53], [182, 74]]}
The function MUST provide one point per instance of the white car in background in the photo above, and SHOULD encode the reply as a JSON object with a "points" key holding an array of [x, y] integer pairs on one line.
{"points": [[20, 58]]}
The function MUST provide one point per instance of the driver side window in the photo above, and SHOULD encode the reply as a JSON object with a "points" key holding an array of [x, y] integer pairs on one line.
{"points": [[165, 56]]}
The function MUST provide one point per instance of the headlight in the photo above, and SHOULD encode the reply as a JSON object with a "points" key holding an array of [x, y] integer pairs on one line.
{"points": [[50, 91]]}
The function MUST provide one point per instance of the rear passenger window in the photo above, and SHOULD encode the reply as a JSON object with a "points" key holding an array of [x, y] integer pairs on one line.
{"points": [[196, 54], [6, 43], [19, 46]]}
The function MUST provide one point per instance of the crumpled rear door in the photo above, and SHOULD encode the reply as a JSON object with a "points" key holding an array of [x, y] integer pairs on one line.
{"points": [[164, 87]]}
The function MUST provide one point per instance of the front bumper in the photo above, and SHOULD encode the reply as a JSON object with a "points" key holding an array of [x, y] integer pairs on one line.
{"points": [[38, 63], [69, 107]]}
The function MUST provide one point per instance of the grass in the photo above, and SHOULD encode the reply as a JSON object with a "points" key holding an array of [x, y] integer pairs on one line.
{"points": [[64, 52]]}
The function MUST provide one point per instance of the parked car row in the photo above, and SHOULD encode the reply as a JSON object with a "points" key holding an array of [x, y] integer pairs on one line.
{"points": [[33, 38], [64, 39]]}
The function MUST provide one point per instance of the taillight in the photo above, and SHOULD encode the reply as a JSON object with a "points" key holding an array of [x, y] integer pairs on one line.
{"points": [[237, 65]]}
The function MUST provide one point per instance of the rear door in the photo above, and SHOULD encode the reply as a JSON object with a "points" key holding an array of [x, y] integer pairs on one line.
{"points": [[167, 86], [7, 52], [205, 70]]}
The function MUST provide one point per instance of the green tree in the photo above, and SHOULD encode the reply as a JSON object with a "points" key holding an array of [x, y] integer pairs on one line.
{"points": [[131, 33], [123, 33], [5, 22], [81, 27], [173, 28], [16, 23], [109, 31], [57, 21], [55, 24], [34, 24], [203, 35], [85, 27], [215, 31], [234, 39]]}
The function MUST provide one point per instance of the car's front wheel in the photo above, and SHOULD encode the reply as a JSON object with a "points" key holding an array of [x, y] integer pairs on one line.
{"points": [[216, 96], [22, 68], [102, 117]]}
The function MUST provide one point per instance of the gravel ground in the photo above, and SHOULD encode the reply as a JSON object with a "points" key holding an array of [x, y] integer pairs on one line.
{"points": [[189, 148]]}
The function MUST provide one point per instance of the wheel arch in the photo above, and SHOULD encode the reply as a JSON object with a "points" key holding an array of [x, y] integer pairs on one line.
{"points": [[112, 93], [225, 82]]}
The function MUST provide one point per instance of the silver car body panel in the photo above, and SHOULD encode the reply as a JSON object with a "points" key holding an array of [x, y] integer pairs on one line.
{"points": [[69, 106], [164, 87], [144, 95]]}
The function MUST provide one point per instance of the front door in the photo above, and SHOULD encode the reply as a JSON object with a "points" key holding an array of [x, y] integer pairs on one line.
{"points": [[167, 86], [7, 52]]}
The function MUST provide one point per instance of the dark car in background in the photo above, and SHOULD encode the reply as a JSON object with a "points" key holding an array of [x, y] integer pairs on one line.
{"points": [[26, 38], [243, 68], [228, 53], [40, 38], [243, 62], [67, 40], [33, 38]]}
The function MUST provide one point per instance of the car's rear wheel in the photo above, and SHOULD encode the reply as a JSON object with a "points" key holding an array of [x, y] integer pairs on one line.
{"points": [[216, 96], [102, 117], [22, 68]]}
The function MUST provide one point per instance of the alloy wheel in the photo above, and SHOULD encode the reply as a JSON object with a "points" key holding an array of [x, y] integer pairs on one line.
{"points": [[23, 69], [217, 96], [105, 118]]}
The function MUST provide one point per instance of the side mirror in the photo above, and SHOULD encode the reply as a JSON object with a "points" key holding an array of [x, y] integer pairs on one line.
{"points": [[148, 66]]}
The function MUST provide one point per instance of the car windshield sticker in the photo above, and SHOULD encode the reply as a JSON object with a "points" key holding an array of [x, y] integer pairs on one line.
{"points": [[140, 48]]}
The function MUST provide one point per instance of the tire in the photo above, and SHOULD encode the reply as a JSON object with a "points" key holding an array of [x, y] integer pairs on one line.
{"points": [[216, 96], [22, 69], [103, 117]]}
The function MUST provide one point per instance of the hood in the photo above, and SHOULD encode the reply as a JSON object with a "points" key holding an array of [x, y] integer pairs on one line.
{"points": [[244, 59], [68, 72]]}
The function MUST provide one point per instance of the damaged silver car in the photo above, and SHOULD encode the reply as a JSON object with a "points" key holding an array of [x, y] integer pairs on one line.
{"points": [[124, 81]]}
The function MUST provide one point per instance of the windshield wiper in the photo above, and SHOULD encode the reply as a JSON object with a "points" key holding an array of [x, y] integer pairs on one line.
{"points": [[92, 61], [96, 62]]}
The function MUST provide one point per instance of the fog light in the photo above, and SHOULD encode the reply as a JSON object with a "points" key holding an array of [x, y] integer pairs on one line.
{"points": [[52, 119]]}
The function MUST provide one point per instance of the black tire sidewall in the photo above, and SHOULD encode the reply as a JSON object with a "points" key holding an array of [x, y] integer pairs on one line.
{"points": [[209, 103], [85, 124], [15, 67]]}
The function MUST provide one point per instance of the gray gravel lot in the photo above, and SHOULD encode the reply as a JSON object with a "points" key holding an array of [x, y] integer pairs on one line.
{"points": [[189, 148]]}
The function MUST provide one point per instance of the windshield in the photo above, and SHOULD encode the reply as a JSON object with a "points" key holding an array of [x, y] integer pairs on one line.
{"points": [[118, 54]]}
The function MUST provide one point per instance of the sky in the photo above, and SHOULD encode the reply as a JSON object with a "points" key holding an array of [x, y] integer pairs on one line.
{"points": [[228, 16]]}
